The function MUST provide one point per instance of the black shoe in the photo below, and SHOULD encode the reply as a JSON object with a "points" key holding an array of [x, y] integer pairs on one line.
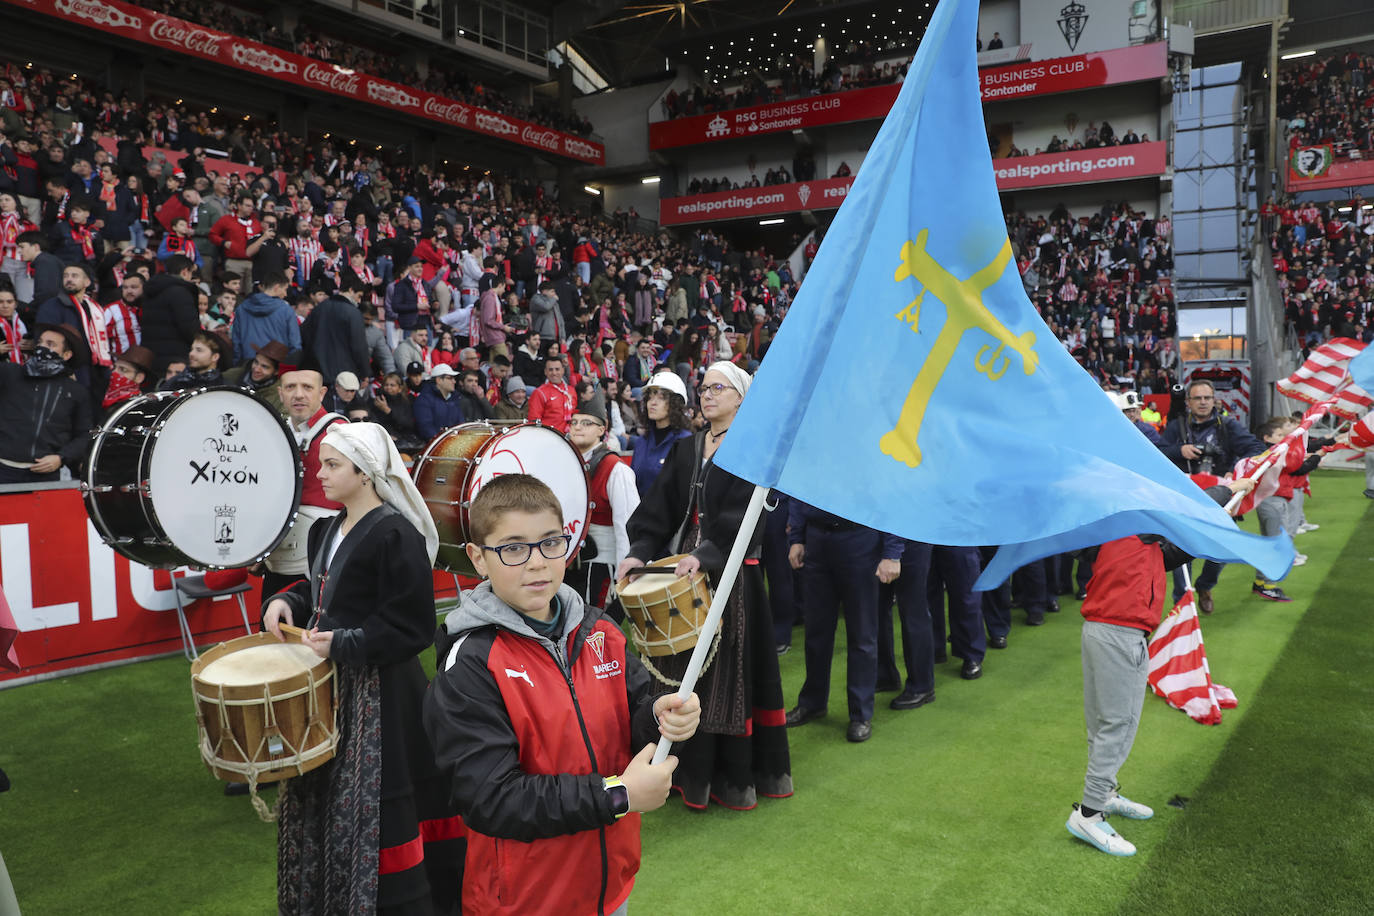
{"points": [[1034, 620], [971, 671], [911, 699], [783, 648], [997, 642], [889, 686], [941, 656], [800, 715], [1053, 607], [1369, 494], [859, 732], [1081, 594], [236, 788]]}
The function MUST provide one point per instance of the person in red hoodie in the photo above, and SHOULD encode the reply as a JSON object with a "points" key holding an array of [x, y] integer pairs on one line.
{"points": [[544, 722], [1125, 603]]}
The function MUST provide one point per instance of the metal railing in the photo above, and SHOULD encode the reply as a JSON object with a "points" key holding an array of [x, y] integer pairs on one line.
{"points": [[1225, 15]]}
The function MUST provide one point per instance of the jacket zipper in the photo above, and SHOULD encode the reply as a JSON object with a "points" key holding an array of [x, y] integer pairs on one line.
{"points": [[591, 754]]}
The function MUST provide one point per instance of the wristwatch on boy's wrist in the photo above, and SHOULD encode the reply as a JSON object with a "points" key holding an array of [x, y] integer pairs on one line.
{"points": [[618, 794]]}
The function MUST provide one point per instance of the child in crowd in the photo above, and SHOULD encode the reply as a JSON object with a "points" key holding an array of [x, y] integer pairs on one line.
{"points": [[1276, 511], [1123, 607], [535, 713]]}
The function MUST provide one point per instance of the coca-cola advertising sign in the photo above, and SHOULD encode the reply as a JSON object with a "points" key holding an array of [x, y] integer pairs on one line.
{"points": [[168, 32], [196, 41], [330, 77]]}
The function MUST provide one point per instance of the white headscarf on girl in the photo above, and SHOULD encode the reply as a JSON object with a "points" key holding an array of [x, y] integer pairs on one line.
{"points": [[369, 447], [737, 377]]}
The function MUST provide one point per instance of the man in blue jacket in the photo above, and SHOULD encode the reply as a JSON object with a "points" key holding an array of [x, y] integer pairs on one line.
{"points": [[437, 407], [264, 317], [1206, 441]]}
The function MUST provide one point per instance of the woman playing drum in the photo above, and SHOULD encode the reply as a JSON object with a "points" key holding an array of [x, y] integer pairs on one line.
{"points": [[740, 750], [349, 839]]}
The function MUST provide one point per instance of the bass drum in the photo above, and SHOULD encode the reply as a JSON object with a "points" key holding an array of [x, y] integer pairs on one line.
{"points": [[463, 459], [209, 478]]}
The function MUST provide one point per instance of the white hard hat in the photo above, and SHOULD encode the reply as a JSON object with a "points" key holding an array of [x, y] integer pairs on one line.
{"points": [[668, 381], [1127, 400]]}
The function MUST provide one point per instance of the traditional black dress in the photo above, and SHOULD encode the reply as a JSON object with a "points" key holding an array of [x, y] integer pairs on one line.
{"points": [[740, 749], [371, 831]]}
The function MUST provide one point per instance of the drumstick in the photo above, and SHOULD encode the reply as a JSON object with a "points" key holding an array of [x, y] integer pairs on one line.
{"points": [[652, 571], [289, 630]]}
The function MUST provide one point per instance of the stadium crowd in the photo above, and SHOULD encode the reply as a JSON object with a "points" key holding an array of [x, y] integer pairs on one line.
{"points": [[312, 41]]}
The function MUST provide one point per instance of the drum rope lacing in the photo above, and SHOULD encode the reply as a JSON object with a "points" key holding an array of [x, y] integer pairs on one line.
{"points": [[249, 766], [649, 666]]}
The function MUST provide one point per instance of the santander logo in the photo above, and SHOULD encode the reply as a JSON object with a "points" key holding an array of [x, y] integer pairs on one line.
{"points": [[172, 32], [545, 139], [453, 112], [99, 13], [331, 78]]}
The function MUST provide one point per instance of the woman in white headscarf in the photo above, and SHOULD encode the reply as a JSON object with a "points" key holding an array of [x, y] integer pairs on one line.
{"points": [[349, 839], [740, 750]]}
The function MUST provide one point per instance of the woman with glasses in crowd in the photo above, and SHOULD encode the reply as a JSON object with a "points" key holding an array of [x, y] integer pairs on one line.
{"points": [[695, 508]]}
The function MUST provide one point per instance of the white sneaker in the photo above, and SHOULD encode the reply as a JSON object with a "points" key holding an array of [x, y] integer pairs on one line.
{"points": [[1097, 832], [1306, 527], [1123, 806], [1299, 559]]}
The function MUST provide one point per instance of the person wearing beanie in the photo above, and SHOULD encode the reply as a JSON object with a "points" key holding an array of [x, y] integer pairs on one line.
{"points": [[514, 404]]}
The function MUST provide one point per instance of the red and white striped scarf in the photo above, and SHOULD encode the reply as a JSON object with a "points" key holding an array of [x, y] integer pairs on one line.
{"points": [[12, 332], [11, 224], [82, 235], [93, 325], [421, 297]]}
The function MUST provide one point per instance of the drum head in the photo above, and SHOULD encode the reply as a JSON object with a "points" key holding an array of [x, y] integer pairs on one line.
{"points": [[540, 452], [224, 478]]}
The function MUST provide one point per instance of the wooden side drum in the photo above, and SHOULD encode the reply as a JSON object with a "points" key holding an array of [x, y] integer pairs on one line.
{"points": [[265, 709], [666, 613]]}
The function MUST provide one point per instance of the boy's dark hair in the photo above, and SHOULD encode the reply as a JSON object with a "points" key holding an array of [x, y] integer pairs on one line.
{"points": [[274, 279], [31, 237], [499, 360], [1273, 425], [509, 493], [178, 263]]}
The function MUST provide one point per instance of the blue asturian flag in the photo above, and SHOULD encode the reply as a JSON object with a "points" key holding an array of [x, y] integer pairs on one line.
{"points": [[914, 389], [1361, 369]]}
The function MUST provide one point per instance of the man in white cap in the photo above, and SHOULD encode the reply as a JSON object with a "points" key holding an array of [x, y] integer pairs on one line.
{"points": [[343, 394], [1128, 402], [437, 407]]}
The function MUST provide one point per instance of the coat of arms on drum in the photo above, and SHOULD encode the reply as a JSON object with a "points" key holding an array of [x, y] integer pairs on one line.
{"points": [[228, 423], [224, 526]]}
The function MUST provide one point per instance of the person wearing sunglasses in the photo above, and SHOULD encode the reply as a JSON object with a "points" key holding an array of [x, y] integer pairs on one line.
{"points": [[695, 508]]}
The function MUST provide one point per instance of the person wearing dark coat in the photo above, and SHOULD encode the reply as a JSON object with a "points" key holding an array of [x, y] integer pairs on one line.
{"points": [[45, 414], [373, 830], [45, 268], [695, 508], [170, 316], [437, 407], [334, 338], [1206, 441]]}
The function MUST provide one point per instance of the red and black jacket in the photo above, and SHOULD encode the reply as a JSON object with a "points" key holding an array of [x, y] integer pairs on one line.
{"points": [[525, 729]]}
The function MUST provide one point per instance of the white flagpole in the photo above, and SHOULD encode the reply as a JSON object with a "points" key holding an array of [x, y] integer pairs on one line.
{"points": [[722, 596]]}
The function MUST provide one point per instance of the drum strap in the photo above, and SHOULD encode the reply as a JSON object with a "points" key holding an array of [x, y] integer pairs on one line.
{"points": [[674, 545], [307, 436], [322, 585]]}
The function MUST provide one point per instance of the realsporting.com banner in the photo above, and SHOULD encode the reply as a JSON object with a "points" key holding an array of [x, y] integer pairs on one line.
{"points": [[1064, 74], [136, 24], [1111, 163], [746, 202], [1139, 160]]}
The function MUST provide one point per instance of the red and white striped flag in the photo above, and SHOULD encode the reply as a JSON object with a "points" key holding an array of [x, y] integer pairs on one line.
{"points": [[1178, 666], [1321, 376], [9, 630]]}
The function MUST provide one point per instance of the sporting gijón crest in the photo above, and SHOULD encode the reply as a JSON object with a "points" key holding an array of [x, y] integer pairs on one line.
{"points": [[602, 668]]}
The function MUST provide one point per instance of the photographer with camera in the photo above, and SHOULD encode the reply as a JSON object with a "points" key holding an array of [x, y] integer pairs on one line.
{"points": [[1205, 441]]}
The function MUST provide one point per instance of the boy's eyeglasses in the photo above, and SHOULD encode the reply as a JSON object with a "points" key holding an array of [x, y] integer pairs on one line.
{"points": [[518, 554]]}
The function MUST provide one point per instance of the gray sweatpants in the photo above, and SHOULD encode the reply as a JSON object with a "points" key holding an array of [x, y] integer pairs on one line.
{"points": [[1115, 664], [1369, 470]]}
